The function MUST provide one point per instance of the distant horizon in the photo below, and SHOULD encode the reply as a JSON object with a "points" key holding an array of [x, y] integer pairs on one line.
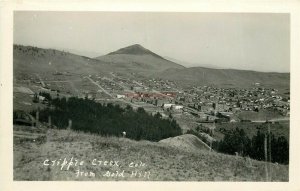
{"points": [[248, 41], [167, 58]]}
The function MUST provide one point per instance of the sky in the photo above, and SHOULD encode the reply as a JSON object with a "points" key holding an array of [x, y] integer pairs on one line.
{"points": [[248, 41]]}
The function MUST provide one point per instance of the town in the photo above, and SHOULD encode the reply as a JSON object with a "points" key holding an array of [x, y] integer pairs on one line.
{"points": [[190, 106]]}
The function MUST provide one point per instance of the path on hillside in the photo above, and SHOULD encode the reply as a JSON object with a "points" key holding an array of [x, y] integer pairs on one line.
{"points": [[155, 91], [105, 91], [100, 87], [119, 84], [61, 81], [146, 87], [41, 80]]}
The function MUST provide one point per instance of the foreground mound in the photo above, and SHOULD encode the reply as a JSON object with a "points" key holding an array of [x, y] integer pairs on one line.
{"points": [[68, 155], [186, 142]]}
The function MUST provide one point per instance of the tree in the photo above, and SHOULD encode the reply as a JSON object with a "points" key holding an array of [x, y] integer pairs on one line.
{"points": [[158, 115], [280, 150], [35, 98], [141, 110], [110, 119], [236, 141]]}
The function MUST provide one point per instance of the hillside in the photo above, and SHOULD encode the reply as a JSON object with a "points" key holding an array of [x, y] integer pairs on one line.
{"points": [[135, 49], [224, 77], [152, 161], [31, 60], [138, 59]]}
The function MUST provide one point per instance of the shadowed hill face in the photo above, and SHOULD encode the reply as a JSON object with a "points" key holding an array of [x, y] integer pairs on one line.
{"points": [[135, 49]]}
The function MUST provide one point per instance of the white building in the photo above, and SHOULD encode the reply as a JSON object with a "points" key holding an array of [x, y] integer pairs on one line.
{"points": [[41, 98], [177, 107], [120, 96], [168, 105]]}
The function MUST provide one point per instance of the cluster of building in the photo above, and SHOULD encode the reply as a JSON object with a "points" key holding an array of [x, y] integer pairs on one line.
{"points": [[205, 103], [202, 99]]}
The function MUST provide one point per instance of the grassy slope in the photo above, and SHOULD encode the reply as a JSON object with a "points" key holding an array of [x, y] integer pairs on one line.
{"points": [[29, 62], [224, 77], [164, 162], [143, 64]]}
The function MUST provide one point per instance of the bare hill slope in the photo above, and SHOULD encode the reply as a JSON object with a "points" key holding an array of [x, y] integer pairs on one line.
{"points": [[135, 49], [224, 77], [28, 59], [138, 59]]}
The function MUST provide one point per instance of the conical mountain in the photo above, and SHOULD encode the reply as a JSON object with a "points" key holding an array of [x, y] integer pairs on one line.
{"points": [[135, 49], [136, 58]]}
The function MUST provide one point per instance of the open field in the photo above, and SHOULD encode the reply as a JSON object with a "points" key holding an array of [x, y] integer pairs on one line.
{"points": [[154, 161], [262, 115]]}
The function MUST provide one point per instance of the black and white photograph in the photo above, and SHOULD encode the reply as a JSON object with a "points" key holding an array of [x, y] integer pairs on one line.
{"points": [[99, 95], [151, 96]]}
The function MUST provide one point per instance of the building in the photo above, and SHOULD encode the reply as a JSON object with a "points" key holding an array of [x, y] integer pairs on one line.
{"points": [[177, 107], [168, 105], [120, 96]]}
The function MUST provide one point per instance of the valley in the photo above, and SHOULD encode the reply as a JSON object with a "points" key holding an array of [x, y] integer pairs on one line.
{"points": [[209, 102]]}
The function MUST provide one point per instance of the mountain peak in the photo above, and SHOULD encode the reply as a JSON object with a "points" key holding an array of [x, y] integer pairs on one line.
{"points": [[136, 45], [135, 49]]}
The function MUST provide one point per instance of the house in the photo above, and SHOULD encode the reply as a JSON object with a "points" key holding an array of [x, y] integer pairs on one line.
{"points": [[177, 107], [42, 98], [257, 84], [120, 96], [167, 105]]}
